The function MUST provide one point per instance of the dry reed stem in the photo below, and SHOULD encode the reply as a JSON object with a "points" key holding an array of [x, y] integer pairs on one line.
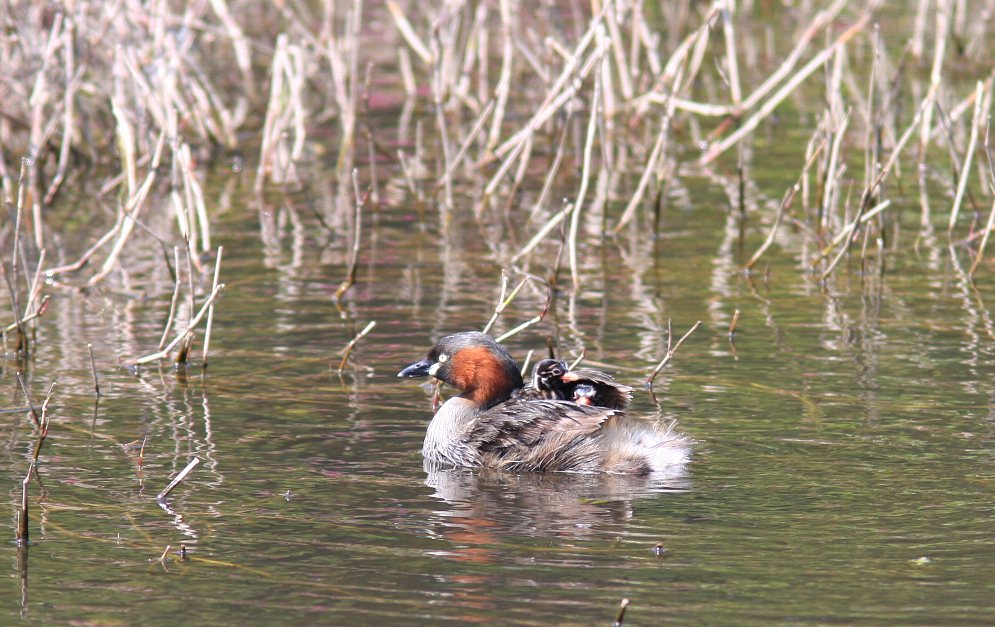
{"points": [[526, 362], [471, 137], [38, 313], [503, 89], [618, 54], [543, 232], [174, 300], [965, 170], [789, 197], [22, 336], [440, 120], [36, 284], [936, 74], [68, 110], [657, 153], [406, 30], [585, 177], [991, 214], [27, 399], [787, 89], [345, 352], [180, 477], [671, 350], [872, 190], [350, 279], [563, 88], [407, 74], [984, 239], [554, 169], [576, 362], [502, 301], [45, 422], [210, 310], [528, 323], [729, 30], [734, 323], [240, 45], [129, 213]]}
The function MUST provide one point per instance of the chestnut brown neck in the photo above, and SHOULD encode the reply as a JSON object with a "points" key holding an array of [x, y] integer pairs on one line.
{"points": [[482, 378]]}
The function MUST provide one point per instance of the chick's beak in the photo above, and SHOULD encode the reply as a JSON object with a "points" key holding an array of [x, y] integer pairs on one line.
{"points": [[569, 377], [417, 369]]}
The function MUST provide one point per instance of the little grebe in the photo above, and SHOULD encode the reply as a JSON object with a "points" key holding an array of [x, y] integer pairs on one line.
{"points": [[485, 425]]}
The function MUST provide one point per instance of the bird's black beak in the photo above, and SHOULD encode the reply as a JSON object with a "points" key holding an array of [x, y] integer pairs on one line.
{"points": [[417, 369]]}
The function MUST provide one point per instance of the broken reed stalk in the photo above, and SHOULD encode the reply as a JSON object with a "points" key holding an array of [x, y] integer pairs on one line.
{"points": [[210, 310], [732, 325], [350, 279], [93, 371], [408, 32], [22, 336], [671, 350], [43, 425], [659, 149], [528, 323], [984, 240], [21, 533], [180, 477], [345, 352], [162, 354], [620, 616]]}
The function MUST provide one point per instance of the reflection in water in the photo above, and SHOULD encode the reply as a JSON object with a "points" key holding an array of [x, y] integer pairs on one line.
{"points": [[487, 513], [483, 503], [22, 569]]}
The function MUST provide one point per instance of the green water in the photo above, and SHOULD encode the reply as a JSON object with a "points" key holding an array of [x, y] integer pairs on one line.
{"points": [[843, 468]]}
